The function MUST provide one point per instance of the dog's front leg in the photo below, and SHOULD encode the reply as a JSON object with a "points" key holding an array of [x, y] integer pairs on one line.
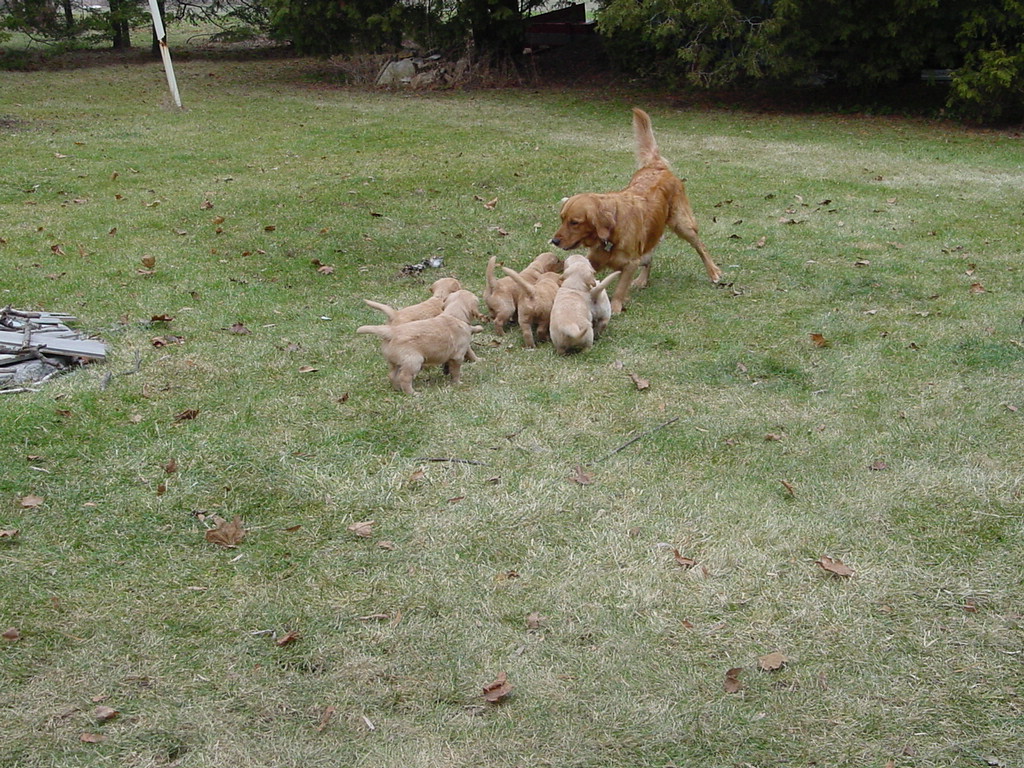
{"points": [[622, 287]]}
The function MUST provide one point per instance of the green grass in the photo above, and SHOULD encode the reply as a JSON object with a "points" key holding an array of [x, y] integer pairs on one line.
{"points": [[120, 600]]}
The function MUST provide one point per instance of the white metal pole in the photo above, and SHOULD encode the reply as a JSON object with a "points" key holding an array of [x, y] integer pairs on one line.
{"points": [[165, 52]]}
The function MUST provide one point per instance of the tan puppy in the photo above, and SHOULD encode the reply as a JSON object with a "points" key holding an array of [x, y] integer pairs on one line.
{"points": [[572, 314], [502, 295], [464, 305], [432, 307], [534, 305], [622, 228], [442, 340]]}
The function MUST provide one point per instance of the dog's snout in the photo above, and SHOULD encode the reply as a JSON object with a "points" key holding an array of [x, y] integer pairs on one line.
{"points": [[556, 241]]}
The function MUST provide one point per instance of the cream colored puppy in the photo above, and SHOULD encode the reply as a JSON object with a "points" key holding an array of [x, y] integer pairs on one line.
{"points": [[502, 295], [440, 290], [534, 305], [572, 314], [441, 340]]}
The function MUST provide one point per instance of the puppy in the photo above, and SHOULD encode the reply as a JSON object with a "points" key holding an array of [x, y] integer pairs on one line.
{"points": [[534, 305], [622, 228], [432, 307], [441, 340], [464, 305], [572, 314], [502, 295]]}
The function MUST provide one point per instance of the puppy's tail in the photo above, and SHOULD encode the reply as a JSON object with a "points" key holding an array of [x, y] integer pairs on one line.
{"points": [[527, 288], [646, 146], [389, 311], [491, 281], [595, 292], [384, 331]]}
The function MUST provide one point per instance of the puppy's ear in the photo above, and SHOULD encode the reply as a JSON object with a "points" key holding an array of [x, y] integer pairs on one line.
{"points": [[604, 223]]}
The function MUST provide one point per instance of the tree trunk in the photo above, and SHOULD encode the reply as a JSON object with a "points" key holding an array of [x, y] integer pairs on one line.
{"points": [[120, 32]]}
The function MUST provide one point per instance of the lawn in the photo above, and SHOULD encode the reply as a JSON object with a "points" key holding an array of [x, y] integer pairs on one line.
{"points": [[637, 538]]}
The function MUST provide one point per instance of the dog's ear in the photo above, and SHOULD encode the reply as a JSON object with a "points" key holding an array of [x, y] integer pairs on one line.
{"points": [[604, 223]]}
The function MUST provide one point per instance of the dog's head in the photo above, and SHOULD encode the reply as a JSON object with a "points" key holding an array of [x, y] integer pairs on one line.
{"points": [[585, 222], [445, 287]]}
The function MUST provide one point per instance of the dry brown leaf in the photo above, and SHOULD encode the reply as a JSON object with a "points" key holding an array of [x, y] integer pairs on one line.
{"points": [[8, 533], [31, 501], [878, 466], [287, 639], [491, 204], [772, 662], [240, 329], [187, 415], [773, 437], [363, 529], [732, 682], [582, 477], [148, 261], [684, 562], [162, 318], [171, 466], [308, 369], [499, 690], [761, 242], [977, 288], [819, 340], [325, 718], [789, 487], [834, 566], [227, 535], [103, 714], [92, 738], [416, 476], [11, 635], [387, 546], [533, 620], [641, 383], [325, 269]]}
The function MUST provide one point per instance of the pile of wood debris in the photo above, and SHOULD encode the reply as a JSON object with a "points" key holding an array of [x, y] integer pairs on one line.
{"points": [[37, 345]]}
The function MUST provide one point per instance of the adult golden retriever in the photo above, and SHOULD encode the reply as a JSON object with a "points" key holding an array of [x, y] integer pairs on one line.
{"points": [[622, 228]]}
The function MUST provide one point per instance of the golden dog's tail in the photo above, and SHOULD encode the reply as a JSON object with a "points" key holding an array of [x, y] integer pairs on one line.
{"points": [[595, 292], [387, 310], [491, 280], [646, 146], [384, 331], [527, 288]]}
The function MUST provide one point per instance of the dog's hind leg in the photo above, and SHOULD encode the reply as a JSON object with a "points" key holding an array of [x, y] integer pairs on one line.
{"points": [[683, 224]]}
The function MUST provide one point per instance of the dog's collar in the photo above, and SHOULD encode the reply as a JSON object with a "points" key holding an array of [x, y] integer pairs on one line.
{"points": [[608, 245]]}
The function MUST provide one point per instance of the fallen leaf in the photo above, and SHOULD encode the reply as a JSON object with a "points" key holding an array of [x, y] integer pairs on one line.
{"points": [[325, 269], [773, 437], [761, 242], [308, 369], [819, 340], [11, 635], [387, 546], [789, 487], [148, 261], [162, 318], [491, 204], [187, 415], [862, 263], [685, 562], [878, 466], [92, 738], [269, 228], [103, 714], [31, 501], [239, 329], [325, 718], [773, 662], [732, 680], [227, 535], [641, 384], [171, 466], [835, 567], [9, 533], [499, 690], [977, 288], [164, 341], [363, 529], [206, 205], [533, 620], [287, 639], [416, 476], [582, 477]]}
